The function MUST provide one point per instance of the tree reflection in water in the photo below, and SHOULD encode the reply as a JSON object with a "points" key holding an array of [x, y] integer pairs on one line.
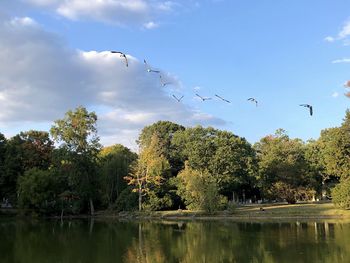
{"points": [[152, 242]]}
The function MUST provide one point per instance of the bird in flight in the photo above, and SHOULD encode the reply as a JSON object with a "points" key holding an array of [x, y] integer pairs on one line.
{"points": [[203, 98], [149, 69], [308, 106], [253, 100], [122, 55], [221, 98], [164, 83], [178, 99]]}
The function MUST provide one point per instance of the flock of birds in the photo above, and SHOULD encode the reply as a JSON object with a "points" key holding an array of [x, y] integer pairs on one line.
{"points": [[178, 99]]}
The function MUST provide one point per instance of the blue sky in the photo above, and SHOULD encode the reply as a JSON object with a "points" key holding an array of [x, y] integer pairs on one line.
{"points": [[283, 53]]}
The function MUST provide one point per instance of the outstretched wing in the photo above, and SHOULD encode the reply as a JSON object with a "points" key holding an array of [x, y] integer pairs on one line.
{"points": [[311, 110]]}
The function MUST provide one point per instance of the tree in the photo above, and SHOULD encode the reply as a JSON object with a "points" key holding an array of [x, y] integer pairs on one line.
{"points": [[77, 134], [341, 194], [283, 168], [115, 162], [36, 190], [148, 173], [165, 131], [199, 190], [228, 158], [37, 149]]}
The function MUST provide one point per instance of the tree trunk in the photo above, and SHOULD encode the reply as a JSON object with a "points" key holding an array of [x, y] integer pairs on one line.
{"points": [[92, 209], [140, 199]]}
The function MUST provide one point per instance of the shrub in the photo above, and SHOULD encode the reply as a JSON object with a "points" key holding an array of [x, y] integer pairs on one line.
{"points": [[341, 194]]}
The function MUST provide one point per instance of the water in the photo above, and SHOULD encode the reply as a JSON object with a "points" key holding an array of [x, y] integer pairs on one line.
{"points": [[152, 242]]}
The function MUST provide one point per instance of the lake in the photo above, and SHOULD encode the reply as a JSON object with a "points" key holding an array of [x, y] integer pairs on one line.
{"points": [[195, 241]]}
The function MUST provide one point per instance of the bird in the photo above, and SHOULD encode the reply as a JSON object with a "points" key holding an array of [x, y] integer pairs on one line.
{"points": [[308, 106], [253, 100], [122, 55], [203, 98], [178, 99], [164, 83], [149, 69], [221, 98]]}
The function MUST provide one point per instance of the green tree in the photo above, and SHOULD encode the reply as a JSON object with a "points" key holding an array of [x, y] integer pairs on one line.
{"points": [[165, 131], [148, 173], [77, 134], [283, 169], [36, 190], [341, 194], [199, 190], [228, 158], [115, 162]]}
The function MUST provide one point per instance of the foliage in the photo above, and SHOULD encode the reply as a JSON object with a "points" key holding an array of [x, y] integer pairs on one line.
{"points": [[126, 201], [341, 194], [227, 157], [282, 165], [148, 173], [291, 193], [115, 164], [77, 134], [199, 190], [36, 190], [335, 150]]}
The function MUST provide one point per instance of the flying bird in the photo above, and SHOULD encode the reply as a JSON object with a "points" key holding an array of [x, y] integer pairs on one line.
{"points": [[164, 83], [178, 99], [308, 106], [253, 100], [122, 55], [203, 98], [149, 69], [221, 98]]}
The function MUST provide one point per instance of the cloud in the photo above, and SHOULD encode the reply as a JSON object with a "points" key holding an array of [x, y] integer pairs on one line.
{"points": [[46, 78], [343, 60], [335, 95], [342, 35], [150, 25], [115, 12]]}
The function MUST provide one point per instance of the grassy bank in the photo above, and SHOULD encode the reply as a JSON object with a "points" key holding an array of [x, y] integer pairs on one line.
{"points": [[314, 211]]}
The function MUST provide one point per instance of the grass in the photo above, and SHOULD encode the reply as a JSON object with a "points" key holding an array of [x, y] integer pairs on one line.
{"points": [[314, 211]]}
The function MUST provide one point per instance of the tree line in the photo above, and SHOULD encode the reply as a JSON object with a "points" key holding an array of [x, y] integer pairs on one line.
{"points": [[67, 171]]}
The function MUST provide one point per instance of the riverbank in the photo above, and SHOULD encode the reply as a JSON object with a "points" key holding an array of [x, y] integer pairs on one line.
{"points": [[312, 211], [280, 211]]}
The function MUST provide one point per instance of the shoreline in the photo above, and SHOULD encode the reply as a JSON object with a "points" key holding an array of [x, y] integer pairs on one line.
{"points": [[266, 212]]}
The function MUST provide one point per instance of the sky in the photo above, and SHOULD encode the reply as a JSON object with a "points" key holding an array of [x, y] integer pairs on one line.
{"points": [[55, 56]]}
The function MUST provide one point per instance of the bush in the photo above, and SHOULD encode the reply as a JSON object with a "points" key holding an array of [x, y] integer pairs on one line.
{"points": [[341, 194], [36, 190], [200, 191], [127, 201]]}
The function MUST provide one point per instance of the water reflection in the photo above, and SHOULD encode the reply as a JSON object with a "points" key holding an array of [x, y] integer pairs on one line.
{"points": [[96, 241]]}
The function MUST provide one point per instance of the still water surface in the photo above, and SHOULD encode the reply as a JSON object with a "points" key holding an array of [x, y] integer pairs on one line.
{"points": [[95, 241]]}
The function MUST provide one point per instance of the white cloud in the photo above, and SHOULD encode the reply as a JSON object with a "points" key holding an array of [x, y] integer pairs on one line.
{"points": [[150, 25], [343, 60], [117, 12], [342, 35], [46, 78], [335, 95], [329, 39]]}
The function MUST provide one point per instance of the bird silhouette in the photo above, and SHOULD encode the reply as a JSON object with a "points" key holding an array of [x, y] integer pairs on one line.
{"points": [[203, 98], [122, 55], [178, 99], [164, 83], [308, 106], [221, 98], [148, 68], [253, 100]]}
